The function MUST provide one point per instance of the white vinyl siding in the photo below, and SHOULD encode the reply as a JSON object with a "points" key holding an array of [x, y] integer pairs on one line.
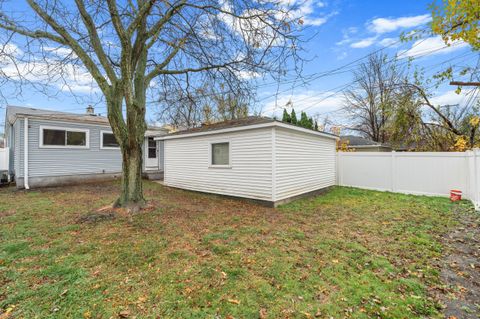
{"points": [[303, 163], [64, 161], [188, 164], [270, 163]]}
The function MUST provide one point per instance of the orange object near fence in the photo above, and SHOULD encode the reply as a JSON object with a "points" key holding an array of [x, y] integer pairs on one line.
{"points": [[455, 195]]}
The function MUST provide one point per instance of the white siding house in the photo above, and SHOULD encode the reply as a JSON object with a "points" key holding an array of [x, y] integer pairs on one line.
{"points": [[50, 148], [255, 158]]}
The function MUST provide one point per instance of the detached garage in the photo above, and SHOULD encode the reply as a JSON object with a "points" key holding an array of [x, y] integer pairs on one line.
{"points": [[257, 158]]}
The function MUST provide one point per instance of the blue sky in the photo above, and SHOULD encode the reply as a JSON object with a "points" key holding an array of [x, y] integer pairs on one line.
{"points": [[343, 31]]}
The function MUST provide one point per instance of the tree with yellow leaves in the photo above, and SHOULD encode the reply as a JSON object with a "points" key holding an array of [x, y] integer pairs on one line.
{"points": [[457, 20]]}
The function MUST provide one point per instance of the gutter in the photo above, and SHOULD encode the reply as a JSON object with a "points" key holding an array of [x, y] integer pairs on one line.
{"points": [[25, 153]]}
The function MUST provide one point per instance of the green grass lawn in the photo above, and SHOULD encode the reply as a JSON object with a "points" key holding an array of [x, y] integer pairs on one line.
{"points": [[349, 253]]}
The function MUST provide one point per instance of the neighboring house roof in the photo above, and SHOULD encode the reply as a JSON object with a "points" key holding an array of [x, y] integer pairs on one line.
{"points": [[249, 122], [359, 142], [19, 111]]}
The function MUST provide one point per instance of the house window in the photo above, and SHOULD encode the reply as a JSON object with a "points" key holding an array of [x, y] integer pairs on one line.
{"points": [[220, 153], [108, 140], [63, 137], [152, 148], [54, 137]]}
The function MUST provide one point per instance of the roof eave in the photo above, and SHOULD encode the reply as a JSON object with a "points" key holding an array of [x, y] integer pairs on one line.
{"points": [[249, 127]]}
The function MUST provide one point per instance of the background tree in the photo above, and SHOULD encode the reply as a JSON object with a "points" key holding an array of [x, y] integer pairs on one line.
{"points": [[371, 101], [457, 20], [305, 121], [454, 21], [132, 50], [286, 117], [293, 117]]}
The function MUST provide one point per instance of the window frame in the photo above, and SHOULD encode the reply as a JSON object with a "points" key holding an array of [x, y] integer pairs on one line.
{"points": [[101, 141], [210, 152], [66, 129], [147, 148]]}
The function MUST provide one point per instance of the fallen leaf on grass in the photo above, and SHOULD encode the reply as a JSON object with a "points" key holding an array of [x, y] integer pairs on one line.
{"points": [[262, 314], [306, 314], [124, 314], [234, 301], [7, 313]]}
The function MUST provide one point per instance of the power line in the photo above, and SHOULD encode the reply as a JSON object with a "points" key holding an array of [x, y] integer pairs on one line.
{"points": [[342, 87]]}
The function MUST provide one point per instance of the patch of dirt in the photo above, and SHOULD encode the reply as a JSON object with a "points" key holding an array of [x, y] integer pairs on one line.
{"points": [[96, 217], [7, 213], [460, 268]]}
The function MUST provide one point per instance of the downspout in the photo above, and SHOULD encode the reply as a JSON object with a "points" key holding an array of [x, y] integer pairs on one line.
{"points": [[25, 153]]}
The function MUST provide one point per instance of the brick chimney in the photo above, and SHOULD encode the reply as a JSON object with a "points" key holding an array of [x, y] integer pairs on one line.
{"points": [[90, 110]]}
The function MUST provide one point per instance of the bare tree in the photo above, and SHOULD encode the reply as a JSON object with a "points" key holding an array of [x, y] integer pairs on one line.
{"points": [[443, 125], [185, 105], [369, 103], [126, 48]]}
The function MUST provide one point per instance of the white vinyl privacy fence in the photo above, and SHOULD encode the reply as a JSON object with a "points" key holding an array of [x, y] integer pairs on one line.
{"points": [[424, 173], [4, 153]]}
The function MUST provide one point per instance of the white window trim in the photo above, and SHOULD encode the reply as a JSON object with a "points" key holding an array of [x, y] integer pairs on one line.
{"points": [[71, 129], [101, 141], [210, 154]]}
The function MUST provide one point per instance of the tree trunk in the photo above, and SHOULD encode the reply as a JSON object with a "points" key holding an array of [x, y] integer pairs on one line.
{"points": [[130, 134], [132, 191]]}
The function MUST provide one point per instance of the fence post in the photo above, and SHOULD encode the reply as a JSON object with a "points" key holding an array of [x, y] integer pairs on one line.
{"points": [[392, 172], [475, 174], [339, 169]]}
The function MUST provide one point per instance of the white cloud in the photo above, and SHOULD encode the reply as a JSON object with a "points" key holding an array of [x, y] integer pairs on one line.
{"points": [[49, 71], [247, 75], [431, 46], [449, 98], [59, 51], [315, 101], [315, 21], [364, 43], [342, 55], [389, 42], [10, 49], [306, 11], [347, 35], [384, 25]]}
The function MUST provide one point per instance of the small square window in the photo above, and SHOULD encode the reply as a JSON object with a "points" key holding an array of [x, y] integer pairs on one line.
{"points": [[109, 140], [220, 153]]}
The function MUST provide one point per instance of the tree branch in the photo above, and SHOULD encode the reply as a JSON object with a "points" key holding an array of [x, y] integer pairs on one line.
{"points": [[37, 34], [73, 44], [95, 40]]}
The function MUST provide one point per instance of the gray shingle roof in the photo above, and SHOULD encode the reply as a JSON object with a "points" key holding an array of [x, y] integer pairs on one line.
{"points": [[247, 121], [359, 141], [250, 120], [14, 111]]}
